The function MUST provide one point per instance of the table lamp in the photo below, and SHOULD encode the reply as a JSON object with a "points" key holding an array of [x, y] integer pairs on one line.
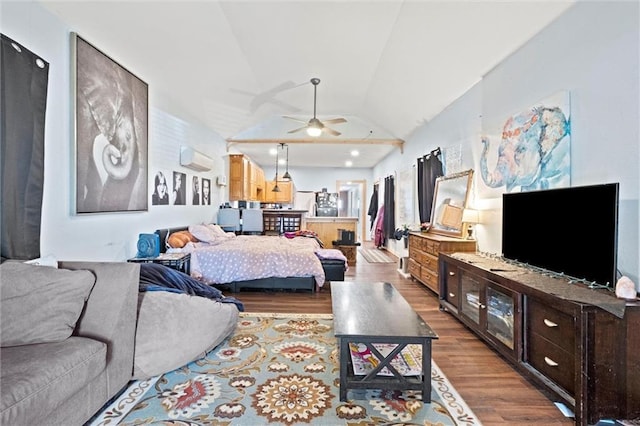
{"points": [[470, 217]]}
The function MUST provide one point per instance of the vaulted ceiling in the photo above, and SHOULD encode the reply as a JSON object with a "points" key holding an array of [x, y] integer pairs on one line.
{"points": [[387, 67]]}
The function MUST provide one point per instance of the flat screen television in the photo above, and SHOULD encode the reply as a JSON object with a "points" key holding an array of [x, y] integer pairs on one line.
{"points": [[573, 231]]}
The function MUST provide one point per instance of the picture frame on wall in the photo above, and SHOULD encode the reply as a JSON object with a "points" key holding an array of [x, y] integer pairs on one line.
{"points": [[111, 113]]}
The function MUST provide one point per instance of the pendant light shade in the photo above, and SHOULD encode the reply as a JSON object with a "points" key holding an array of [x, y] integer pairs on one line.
{"points": [[286, 175], [275, 188]]}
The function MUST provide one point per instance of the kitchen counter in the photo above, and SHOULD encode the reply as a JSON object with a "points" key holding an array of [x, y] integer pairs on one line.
{"points": [[278, 211], [331, 219], [327, 227]]}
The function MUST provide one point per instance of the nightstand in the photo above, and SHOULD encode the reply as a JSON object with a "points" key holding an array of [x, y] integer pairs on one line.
{"points": [[349, 251], [178, 261]]}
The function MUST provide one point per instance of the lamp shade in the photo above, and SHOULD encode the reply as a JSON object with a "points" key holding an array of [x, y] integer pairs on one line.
{"points": [[470, 216]]}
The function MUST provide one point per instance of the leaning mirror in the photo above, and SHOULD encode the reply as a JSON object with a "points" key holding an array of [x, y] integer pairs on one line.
{"points": [[451, 194]]}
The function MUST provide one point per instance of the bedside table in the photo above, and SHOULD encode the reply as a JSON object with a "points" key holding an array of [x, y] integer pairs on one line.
{"points": [[349, 251], [178, 261]]}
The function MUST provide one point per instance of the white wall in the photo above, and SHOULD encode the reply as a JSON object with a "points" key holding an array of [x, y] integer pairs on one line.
{"points": [[592, 51], [111, 236]]}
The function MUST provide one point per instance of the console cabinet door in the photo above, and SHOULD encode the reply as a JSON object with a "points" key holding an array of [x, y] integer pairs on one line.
{"points": [[492, 310]]}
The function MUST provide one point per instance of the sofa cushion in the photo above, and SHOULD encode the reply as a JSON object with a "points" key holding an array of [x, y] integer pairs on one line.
{"points": [[36, 379], [175, 329], [39, 304]]}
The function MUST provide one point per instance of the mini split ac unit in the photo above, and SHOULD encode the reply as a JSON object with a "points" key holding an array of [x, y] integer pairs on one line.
{"points": [[195, 160]]}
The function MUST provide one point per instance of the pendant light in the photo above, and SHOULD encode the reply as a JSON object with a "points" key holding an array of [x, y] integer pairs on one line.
{"points": [[286, 175], [275, 188]]}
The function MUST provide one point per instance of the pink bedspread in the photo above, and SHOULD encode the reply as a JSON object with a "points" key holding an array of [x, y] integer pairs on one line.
{"points": [[250, 257]]}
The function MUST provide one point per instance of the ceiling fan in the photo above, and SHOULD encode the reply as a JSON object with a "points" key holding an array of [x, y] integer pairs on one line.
{"points": [[316, 127]]}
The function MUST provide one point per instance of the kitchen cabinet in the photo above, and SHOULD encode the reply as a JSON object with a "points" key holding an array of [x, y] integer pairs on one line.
{"points": [[246, 179], [285, 196]]}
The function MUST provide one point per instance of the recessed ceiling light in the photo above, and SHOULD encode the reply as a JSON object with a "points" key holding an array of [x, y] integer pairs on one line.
{"points": [[273, 151], [355, 153], [282, 161], [348, 163]]}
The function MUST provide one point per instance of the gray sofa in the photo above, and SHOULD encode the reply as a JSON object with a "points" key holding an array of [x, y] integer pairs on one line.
{"points": [[64, 382]]}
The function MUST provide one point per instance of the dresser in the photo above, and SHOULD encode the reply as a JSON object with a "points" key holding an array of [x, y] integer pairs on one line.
{"points": [[424, 249]]}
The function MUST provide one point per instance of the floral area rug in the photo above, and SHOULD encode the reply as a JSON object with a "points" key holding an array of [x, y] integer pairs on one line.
{"points": [[277, 369]]}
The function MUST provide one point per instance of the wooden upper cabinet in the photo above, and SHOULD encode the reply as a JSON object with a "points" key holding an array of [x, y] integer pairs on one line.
{"points": [[244, 179], [285, 196]]}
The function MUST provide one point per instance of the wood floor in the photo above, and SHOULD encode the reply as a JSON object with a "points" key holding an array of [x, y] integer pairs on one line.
{"points": [[496, 393]]}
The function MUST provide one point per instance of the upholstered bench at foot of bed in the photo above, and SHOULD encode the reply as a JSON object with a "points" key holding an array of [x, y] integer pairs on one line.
{"points": [[333, 269]]}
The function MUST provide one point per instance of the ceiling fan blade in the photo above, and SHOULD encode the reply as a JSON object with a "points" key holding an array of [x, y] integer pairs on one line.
{"points": [[297, 130], [335, 120], [331, 131], [295, 119]]}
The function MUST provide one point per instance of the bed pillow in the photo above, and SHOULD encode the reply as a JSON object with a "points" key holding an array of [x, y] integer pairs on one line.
{"points": [[40, 304], [217, 230], [205, 233]]}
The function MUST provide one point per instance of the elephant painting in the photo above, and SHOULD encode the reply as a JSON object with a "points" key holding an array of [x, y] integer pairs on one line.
{"points": [[533, 153]]}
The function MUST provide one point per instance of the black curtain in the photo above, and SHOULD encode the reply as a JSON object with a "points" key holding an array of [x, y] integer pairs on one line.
{"points": [[389, 224], [429, 169], [23, 101]]}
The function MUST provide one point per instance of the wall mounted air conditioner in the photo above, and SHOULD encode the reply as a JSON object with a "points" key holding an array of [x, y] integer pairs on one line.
{"points": [[195, 160]]}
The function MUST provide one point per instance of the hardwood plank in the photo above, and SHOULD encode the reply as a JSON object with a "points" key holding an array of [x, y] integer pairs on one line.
{"points": [[490, 386]]}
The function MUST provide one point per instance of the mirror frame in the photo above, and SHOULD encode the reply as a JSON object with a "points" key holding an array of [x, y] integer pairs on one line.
{"points": [[443, 189]]}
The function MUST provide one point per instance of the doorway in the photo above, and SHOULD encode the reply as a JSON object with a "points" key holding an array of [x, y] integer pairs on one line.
{"points": [[352, 198]]}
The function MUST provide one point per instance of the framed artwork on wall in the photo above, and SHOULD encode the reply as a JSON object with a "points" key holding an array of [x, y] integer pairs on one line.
{"points": [[206, 192], [531, 151], [111, 132]]}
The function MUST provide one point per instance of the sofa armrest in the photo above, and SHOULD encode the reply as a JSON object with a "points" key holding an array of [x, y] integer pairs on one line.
{"points": [[110, 315]]}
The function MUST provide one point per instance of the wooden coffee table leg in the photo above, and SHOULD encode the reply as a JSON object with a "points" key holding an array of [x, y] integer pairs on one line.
{"points": [[344, 367]]}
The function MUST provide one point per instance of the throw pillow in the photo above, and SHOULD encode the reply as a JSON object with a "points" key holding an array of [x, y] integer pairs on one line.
{"points": [[39, 304], [180, 239]]}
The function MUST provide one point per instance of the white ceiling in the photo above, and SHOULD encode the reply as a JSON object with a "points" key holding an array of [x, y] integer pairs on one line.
{"points": [[238, 66]]}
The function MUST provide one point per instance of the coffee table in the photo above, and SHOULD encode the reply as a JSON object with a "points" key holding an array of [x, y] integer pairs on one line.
{"points": [[368, 313]]}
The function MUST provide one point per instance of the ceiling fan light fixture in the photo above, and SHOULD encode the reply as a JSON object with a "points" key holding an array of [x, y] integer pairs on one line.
{"points": [[314, 132]]}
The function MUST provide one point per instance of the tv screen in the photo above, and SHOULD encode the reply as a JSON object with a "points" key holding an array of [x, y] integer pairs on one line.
{"points": [[573, 231]]}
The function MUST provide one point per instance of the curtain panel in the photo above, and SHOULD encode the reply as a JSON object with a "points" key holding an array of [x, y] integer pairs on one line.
{"points": [[429, 169], [389, 207], [23, 101]]}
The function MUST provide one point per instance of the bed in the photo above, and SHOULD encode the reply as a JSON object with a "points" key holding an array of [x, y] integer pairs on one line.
{"points": [[254, 261]]}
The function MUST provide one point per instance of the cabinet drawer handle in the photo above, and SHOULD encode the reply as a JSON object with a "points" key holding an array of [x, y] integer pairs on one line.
{"points": [[550, 323], [452, 274], [550, 362], [452, 295]]}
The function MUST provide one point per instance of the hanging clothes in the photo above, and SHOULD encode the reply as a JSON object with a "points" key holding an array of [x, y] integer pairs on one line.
{"points": [[379, 233], [373, 206]]}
